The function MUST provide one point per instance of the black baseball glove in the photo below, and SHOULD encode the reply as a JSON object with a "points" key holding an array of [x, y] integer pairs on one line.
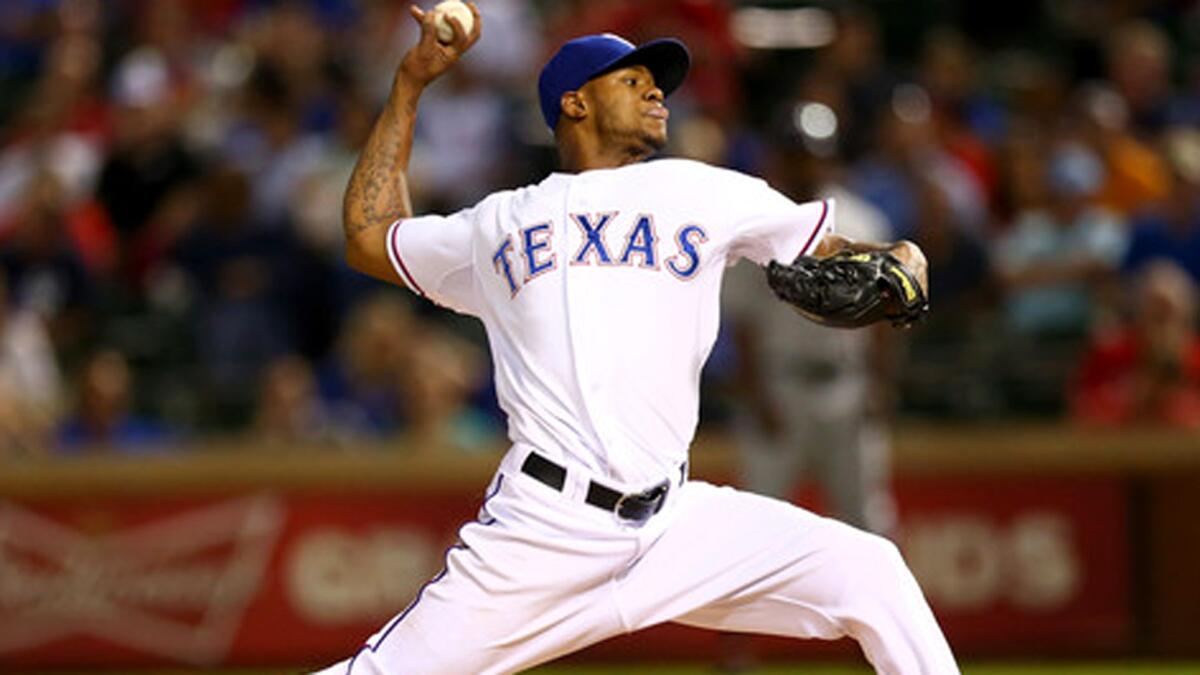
{"points": [[849, 290]]}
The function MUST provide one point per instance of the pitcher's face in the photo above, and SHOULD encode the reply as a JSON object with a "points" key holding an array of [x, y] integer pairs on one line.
{"points": [[628, 108]]}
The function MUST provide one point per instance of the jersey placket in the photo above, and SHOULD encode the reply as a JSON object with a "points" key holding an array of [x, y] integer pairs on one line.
{"points": [[584, 291]]}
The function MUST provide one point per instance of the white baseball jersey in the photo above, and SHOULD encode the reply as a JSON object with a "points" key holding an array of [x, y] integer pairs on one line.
{"points": [[600, 298], [600, 295]]}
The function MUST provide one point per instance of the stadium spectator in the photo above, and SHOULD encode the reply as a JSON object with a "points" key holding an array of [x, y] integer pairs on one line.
{"points": [[968, 120], [855, 58], [272, 147], [440, 373], [360, 382], [44, 271], [315, 204], [940, 370], [121, 121], [103, 420], [1053, 259], [291, 42], [1021, 158], [30, 385], [460, 147], [907, 152], [1171, 229], [289, 412], [148, 158], [1138, 58], [960, 266], [1147, 371], [243, 275], [61, 127], [22, 40], [1135, 176], [167, 28]]}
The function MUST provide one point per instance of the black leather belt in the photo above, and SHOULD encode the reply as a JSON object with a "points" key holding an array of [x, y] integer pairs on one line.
{"points": [[634, 506]]}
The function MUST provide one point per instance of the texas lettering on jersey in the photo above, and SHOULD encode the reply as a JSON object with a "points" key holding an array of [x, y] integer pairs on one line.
{"points": [[603, 373], [534, 247]]}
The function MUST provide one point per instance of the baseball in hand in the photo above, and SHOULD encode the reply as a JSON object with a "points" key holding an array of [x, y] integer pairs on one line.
{"points": [[456, 9]]}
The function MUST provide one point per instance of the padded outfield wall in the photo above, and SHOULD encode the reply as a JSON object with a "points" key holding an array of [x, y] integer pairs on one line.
{"points": [[1038, 542]]}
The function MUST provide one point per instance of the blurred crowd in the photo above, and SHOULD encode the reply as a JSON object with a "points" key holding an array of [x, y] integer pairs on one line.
{"points": [[171, 174]]}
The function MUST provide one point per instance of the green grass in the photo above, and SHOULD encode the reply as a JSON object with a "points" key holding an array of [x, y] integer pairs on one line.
{"points": [[1085, 669]]}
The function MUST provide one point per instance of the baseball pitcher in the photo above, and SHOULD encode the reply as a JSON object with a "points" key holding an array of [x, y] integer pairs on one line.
{"points": [[599, 290]]}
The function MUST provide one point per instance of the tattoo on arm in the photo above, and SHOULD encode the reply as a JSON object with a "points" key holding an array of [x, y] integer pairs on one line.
{"points": [[377, 194]]}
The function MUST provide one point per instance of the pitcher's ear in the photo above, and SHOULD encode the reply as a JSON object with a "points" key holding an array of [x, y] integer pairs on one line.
{"points": [[573, 105]]}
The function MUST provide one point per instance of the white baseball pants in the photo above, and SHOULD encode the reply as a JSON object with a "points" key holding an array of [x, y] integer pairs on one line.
{"points": [[541, 574]]}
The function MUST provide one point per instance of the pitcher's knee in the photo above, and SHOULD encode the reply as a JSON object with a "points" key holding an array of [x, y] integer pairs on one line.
{"points": [[870, 548], [876, 563], [887, 551]]}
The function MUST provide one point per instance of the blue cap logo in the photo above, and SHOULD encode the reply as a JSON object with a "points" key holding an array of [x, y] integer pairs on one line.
{"points": [[584, 58]]}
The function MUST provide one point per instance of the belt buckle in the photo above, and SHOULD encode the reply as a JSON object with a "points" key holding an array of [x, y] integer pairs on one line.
{"points": [[639, 506]]}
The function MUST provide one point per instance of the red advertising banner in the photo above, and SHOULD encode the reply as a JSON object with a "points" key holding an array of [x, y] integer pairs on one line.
{"points": [[1042, 563], [272, 578], [256, 579]]}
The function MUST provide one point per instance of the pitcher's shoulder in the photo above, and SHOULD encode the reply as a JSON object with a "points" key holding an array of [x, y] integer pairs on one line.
{"points": [[682, 169], [695, 169]]}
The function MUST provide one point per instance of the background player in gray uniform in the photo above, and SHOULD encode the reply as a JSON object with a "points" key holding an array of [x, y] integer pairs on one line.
{"points": [[813, 400], [599, 291]]}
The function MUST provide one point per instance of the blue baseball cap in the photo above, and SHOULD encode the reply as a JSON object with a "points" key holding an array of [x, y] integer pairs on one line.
{"points": [[584, 58]]}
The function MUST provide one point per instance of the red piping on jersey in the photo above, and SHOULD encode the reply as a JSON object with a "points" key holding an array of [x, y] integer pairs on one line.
{"points": [[824, 212], [404, 268]]}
